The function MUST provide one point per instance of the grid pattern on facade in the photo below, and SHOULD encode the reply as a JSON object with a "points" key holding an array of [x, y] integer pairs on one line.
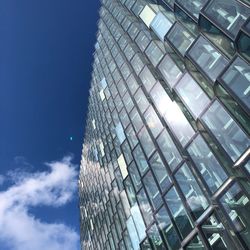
{"points": [[166, 154]]}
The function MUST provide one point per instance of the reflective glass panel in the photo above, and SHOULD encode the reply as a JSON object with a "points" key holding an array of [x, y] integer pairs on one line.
{"points": [[226, 130], [237, 207], [146, 142], [140, 159], [192, 6], [191, 190], [152, 190], [208, 166], [170, 72], [207, 58], [195, 244], [192, 95], [172, 114], [167, 229], [180, 38], [155, 238], [154, 53], [161, 25], [153, 121], [145, 206], [229, 15], [160, 171], [237, 79], [178, 212], [169, 150]]}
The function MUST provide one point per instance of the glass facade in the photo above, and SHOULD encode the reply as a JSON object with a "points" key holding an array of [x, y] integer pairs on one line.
{"points": [[166, 153]]}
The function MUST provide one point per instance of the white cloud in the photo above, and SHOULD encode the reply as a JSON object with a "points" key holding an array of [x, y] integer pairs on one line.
{"points": [[21, 230]]}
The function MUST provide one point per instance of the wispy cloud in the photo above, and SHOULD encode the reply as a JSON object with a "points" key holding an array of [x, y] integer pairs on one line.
{"points": [[21, 230], [2, 179]]}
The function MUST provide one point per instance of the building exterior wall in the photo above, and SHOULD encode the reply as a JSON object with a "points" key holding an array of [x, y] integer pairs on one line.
{"points": [[165, 161]]}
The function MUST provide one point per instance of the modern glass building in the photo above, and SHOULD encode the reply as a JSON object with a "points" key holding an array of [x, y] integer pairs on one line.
{"points": [[166, 153]]}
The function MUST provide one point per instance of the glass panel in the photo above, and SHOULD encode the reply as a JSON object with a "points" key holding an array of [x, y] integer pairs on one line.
{"points": [[237, 207], [195, 244], [160, 171], [147, 15], [131, 136], [145, 207], [167, 229], [132, 233], [237, 79], [139, 223], [208, 166], [120, 132], [207, 58], [192, 95], [130, 191], [180, 38], [154, 53], [172, 114], [132, 83], [186, 20], [191, 190], [136, 119], [228, 15], [155, 238], [226, 130], [135, 176], [138, 63], [153, 121], [140, 159], [147, 78], [170, 72], [243, 45], [178, 212], [217, 36], [141, 100], [216, 234], [161, 25], [152, 190], [192, 6], [146, 142], [142, 40], [169, 150]]}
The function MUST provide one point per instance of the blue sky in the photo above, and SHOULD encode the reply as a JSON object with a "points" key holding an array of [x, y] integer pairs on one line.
{"points": [[46, 51]]}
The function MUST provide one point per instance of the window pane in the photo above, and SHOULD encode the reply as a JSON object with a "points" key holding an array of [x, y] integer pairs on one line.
{"points": [[180, 38], [147, 78], [207, 58], [192, 6], [141, 100], [216, 234], [226, 130], [154, 53], [145, 207], [192, 95], [172, 114], [146, 142], [237, 207], [161, 25], [160, 171], [140, 159], [167, 229], [229, 15], [155, 238], [195, 244], [208, 166], [191, 190], [135, 176], [152, 190], [169, 150], [237, 79], [178, 212], [153, 122], [170, 72]]}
